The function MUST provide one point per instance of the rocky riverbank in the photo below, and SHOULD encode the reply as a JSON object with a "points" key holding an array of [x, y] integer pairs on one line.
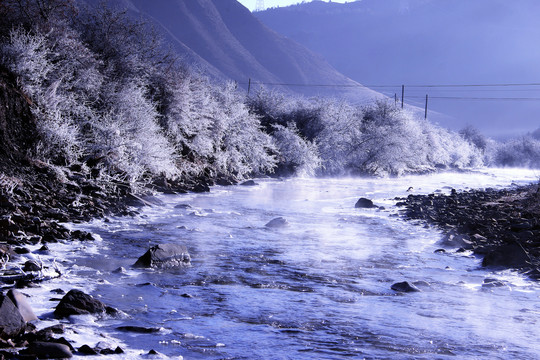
{"points": [[36, 198], [502, 226]]}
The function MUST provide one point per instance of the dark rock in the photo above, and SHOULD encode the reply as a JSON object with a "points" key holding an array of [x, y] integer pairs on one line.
{"points": [[277, 223], [21, 250], [138, 329], [11, 321], [364, 203], [58, 291], [492, 283], [200, 188], [31, 265], [182, 206], [64, 341], [249, 183], [225, 181], [521, 226], [439, 251], [404, 287], [118, 350], [511, 255], [48, 350], [119, 270], [75, 302], [19, 300], [87, 350], [55, 329], [164, 256]]}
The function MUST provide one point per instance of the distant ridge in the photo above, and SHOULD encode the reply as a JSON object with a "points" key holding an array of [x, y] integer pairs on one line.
{"points": [[225, 40], [381, 42]]}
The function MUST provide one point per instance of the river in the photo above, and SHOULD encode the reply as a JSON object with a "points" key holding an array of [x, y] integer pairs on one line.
{"points": [[318, 288]]}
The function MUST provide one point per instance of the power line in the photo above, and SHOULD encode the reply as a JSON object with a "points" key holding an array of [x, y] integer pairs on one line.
{"points": [[397, 86], [479, 98]]}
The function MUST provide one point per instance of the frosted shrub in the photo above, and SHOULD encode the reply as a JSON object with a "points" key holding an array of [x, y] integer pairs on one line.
{"points": [[241, 147], [296, 155], [187, 119], [130, 138], [520, 152], [44, 74], [340, 137], [27, 55]]}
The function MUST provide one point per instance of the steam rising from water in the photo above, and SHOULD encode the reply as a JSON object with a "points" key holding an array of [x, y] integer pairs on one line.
{"points": [[318, 287]]}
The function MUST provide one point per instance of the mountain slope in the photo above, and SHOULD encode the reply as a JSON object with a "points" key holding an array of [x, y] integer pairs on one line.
{"points": [[226, 40], [429, 42]]}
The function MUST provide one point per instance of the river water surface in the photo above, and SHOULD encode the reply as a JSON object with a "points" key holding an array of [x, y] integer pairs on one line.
{"points": [[318, 288]]}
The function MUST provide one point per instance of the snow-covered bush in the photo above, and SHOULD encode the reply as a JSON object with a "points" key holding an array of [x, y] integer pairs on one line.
{"points": [[241, 147], [135, 144], [519, 152], [296, 155]]}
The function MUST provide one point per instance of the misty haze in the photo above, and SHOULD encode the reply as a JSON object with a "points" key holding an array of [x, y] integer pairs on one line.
{"points": [[189, 179]]}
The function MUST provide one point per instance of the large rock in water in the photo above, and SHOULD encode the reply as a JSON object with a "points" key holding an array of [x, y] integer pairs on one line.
{"points": [[404, 287], [11, 321], [75, 302], [278, 222], [164, 256], [48, 350], [364, 203], [19, 300]]}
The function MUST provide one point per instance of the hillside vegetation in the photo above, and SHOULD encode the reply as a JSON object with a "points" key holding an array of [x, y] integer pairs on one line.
{"points": [[110, 102]]}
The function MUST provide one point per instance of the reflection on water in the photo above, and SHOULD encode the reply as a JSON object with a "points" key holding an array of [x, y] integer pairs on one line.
{"points": [[318, 287]]}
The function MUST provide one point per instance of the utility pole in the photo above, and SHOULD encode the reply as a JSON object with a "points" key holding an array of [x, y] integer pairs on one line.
{"points": [[249, 86], [395, 99], [402, 94], [425, 114]]}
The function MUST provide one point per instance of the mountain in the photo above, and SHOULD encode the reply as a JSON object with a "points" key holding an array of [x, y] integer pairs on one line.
{"points": [[432, 42], [223, 38]]}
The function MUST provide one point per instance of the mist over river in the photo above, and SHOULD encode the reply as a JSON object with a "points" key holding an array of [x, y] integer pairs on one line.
{"points": [[317, 288]]}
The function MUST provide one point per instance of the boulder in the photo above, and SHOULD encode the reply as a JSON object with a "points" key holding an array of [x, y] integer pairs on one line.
{"points": [[75, 302], [32, 265], [11, 321], [48, 350], [87, 350], [277, 223], [164, 256], [364, 203], [249, 183], [510, 255], [19, 300], [139, 329], [404, 287]]}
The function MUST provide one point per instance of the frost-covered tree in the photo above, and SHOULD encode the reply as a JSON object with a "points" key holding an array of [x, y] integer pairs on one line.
{"points": [[297, 156], [473, 135], [519, 152]]}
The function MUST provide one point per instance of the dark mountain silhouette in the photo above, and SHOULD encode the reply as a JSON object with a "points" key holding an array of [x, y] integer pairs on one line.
{"points": [[380, 42], [223, 38]]}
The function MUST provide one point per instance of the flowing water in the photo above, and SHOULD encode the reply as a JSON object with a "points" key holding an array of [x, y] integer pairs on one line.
{"points": [[318, 288]]}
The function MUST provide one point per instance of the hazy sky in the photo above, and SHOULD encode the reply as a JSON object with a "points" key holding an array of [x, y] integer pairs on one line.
{"points": [[250, 4]]}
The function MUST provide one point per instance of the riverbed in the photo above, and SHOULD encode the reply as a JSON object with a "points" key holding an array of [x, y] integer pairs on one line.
{"points": [[316, 288]]}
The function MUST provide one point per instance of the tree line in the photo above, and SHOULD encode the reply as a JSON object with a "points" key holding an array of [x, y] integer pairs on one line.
{"points": [[109, 96]]}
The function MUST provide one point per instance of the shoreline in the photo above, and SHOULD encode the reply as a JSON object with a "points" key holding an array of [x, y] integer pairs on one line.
{"points": [[501, 226], [461, 215]]}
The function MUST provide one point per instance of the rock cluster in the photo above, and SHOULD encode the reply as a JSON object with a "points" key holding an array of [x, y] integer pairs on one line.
{"points": [[17, 329], [503, 226]]}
